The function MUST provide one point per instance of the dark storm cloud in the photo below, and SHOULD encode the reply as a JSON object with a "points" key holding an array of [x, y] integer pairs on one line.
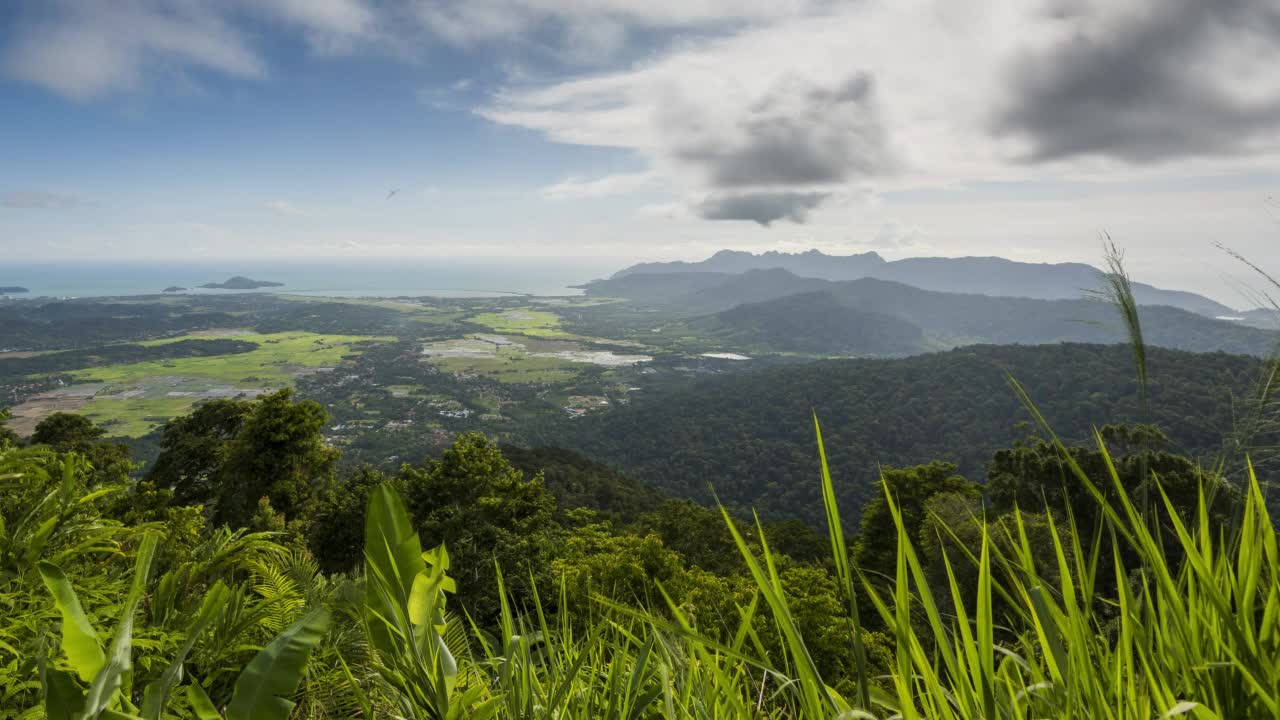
{"points": [[761, 207], [1146, 89], [796, 134]]}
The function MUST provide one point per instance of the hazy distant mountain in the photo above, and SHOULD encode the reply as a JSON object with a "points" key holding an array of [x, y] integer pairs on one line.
{"points": [[806, 264], [963, 319], [813, 323], [975, 275], [1266, 318], [775, 310], [705, 292], [750, 287], [656, 287]]}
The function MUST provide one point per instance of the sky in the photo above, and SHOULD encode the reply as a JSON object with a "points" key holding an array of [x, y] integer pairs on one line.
{"points": [[178, 129]]}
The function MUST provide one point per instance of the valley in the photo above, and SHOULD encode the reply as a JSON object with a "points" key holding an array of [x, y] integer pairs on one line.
{"points": [[401, 377], [618, 360]]}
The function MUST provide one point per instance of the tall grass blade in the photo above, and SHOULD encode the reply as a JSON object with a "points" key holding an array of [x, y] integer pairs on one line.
{"points": [[844, 573]]}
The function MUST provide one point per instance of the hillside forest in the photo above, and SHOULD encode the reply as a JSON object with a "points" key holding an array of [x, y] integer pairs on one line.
{"points": [[996, 530]]}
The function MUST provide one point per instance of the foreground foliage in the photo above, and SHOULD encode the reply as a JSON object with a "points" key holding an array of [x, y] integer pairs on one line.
{"points": [[1012, 617]]}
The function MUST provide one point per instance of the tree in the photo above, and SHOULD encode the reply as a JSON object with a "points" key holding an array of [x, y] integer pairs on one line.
{"points": [[194, 449], [335, 530], [279, 453], [69, 432], [1035, 476], [877, 546], [229, 454], [8, 438], [698, 533], [484, 510], [596, 560], [822, 619], [952, 534]]}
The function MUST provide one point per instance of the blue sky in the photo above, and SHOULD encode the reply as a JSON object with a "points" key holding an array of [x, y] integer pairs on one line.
{"points": [[240, 128]]}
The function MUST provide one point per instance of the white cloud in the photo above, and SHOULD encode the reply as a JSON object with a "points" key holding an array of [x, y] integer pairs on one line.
{"points": [[330, 26], [594, 21], [573, 188], [286, 208], [92, 48], [85, 49], [770, 106]]}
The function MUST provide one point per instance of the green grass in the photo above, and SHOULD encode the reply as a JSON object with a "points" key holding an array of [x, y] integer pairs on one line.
{"points": [[1194, 638], [522, 321], [409, 308], [504, 363], [134, 417], [1194, 633], [276, 360], [273, 364], [512, 368], [1014, 629]]}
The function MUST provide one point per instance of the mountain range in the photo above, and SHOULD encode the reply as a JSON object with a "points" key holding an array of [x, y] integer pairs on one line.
{"points": [[774, 310], [972, 275]]}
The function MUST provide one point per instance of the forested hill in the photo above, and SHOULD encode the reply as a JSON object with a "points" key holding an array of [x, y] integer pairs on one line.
{"points": [[985, 275], [811, 323], [750, 436], [772, 309]]}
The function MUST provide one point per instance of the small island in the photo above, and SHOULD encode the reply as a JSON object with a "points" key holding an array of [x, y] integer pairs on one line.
{"points": [[240, 282], [174, 289], [12, 289]]}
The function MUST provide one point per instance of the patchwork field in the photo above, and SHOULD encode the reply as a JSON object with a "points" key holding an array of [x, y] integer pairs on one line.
{"points": [[523, 360], [522, 321], [132, 399], [278, 358], [134, 417]]}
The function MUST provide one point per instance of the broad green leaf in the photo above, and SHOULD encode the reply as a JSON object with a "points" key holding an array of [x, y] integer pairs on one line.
{"points": [[261, 690], [111, 678], [79, 641], [201, 705], [62, 699], [157, 692], [393, 560]]}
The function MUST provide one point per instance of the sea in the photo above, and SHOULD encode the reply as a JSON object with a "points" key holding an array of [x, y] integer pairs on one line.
{"points": [[332, 277]]}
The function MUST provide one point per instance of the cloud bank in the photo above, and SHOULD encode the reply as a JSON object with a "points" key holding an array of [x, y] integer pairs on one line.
{"points": [[759, 111], [762, 208], [927, 93], [1161, 80]]}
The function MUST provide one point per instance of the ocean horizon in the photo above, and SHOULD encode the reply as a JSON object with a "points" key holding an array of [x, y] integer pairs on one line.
{"points": [[332, 277]]}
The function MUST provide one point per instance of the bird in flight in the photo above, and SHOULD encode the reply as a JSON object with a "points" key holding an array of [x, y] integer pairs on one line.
{"points": [[393, 192]]}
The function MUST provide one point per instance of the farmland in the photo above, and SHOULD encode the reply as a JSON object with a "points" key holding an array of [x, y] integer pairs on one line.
{"points": [[279, 358], [522, 321], [132, 399], [418, 369]]}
